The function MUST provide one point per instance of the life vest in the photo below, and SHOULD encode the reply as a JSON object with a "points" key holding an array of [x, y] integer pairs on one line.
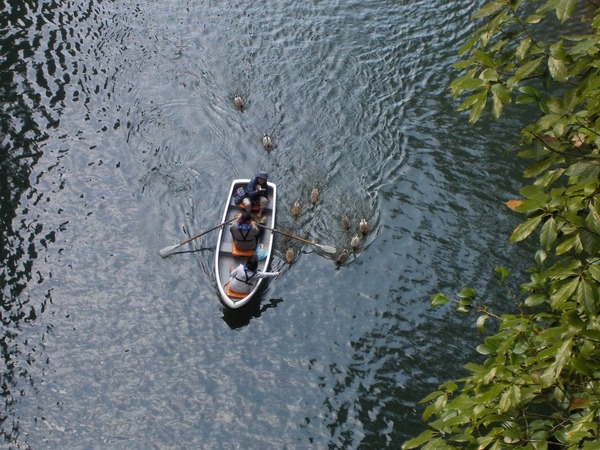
{"points": [[245, 229], [248, 278]]}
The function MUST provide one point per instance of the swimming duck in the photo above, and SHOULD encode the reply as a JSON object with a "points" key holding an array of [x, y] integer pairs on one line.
{"points": [[267, 142], [289, 255], [342, 258], [296, 209], [355, 242], [239, 102], [363, 227], [346, 222], [314, 196]]}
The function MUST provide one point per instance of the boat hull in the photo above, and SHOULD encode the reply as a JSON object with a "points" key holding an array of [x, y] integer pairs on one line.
{"points": [[225, 259]]}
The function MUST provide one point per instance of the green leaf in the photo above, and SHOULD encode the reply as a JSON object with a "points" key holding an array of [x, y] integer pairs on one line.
{"points": [[531, 91], [558, 70], [429, 411], [500, 91], [480, 325], [565, 269], [484, 58], [564, 9], [540, 257], [502, 272], [492, 393], [500, 97], [489, 75], [540, 167], [594, 271], [466, 293], [548, 234], [523, 48], [590, 241], [594, 335], [477, 108], [524, 99], [562, 294], [548, 178], [573, 318], [419, 440], [488, 10], [535, 299], [471, 100], [586, 296], [573, 242], [582, 366], [561, 357], [532, 191], [468, 45], [585, 45], [484, 349], [593, 221], [527, 69], [439, 299], [461, 402], [524, 229], [431, 396], [510, 398], [547, 121], [465, 83], [583, 171]]}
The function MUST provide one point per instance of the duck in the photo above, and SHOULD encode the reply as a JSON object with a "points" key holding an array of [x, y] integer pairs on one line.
{"points": [[355, 242], [314, 196], [346, 222], [267, 142], [289, 255], [239, 102], [363, 227], [296, 209], [342, 258]]}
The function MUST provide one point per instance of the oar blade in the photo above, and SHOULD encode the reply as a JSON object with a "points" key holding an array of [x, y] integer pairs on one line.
{"points": [[167, 251], [326, 248]]}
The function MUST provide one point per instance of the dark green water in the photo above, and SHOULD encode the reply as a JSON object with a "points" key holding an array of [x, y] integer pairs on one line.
{"points": [[119, 137]]}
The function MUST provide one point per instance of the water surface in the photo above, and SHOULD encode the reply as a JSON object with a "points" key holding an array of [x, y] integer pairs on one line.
{"points": [[120, 137]]}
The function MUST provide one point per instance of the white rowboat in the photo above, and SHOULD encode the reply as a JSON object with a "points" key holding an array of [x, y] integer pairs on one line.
{"points": [[225, 258]]}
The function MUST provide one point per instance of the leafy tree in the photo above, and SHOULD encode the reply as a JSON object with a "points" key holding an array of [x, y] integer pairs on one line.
{"points": [[538, 387]]}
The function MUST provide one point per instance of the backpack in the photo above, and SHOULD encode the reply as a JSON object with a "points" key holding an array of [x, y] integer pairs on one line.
{"points": [[239, 195]]}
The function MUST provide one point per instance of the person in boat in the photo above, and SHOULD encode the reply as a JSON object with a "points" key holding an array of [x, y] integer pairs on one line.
{"points": [[245, 232], [244, 277], [256, 193]]}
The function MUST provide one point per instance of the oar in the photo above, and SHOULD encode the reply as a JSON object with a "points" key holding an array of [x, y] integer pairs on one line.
{"points": [[325, 248], [171, 248]]}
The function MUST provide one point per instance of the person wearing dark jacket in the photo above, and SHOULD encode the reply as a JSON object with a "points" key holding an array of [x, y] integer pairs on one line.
{"points": [[256, 193]]}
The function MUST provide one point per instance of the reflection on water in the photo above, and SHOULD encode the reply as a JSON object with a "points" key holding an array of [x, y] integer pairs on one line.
{"points": [[239, 318], [118, 131]]}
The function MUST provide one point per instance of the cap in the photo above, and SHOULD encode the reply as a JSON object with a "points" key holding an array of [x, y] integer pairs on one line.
{"points": [[262, 174]]}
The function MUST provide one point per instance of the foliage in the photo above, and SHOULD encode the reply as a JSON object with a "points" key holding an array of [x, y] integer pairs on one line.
{"points": [[538, 387]]}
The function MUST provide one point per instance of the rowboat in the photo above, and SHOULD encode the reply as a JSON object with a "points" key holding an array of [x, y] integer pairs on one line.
{"points": [[227, 256]]}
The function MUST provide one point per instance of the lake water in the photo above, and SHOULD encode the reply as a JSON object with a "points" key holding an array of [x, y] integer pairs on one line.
{"points": [[120, 137]]}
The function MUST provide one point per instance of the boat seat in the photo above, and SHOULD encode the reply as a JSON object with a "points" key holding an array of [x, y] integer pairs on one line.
{"points": [[229, 247], [240, 253], [233, 294]]}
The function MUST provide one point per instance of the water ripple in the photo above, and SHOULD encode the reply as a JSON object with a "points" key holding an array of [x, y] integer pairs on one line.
{"points": [[120, 131]]}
